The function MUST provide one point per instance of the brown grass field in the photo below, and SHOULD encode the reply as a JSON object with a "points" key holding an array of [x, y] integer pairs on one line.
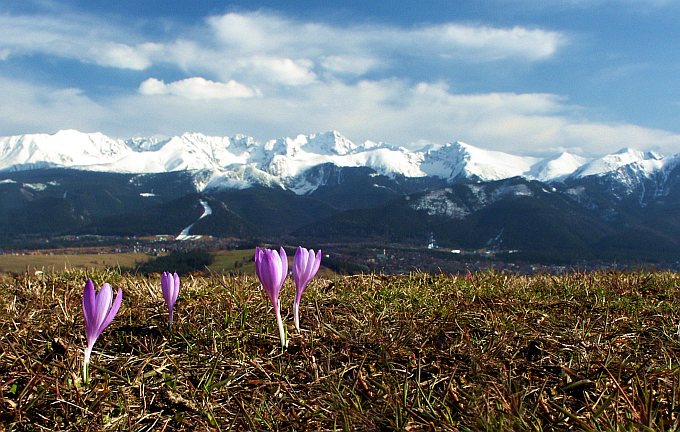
{"points": [[491, 352], [58, 262]]}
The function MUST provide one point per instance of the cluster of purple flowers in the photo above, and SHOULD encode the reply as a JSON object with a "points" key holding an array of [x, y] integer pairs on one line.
{"points": [[272, 268], [99, 308]]}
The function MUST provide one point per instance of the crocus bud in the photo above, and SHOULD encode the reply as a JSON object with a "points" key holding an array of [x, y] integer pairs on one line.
{"points": [[305, 266], [170, 287], [272, 268], [98, 311]]}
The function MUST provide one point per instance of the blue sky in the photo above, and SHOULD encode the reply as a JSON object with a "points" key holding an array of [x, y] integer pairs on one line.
{"points": [[531, 77]]}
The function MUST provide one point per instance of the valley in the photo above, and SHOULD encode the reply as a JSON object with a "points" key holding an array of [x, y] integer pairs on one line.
{"points": [[322, 189]]}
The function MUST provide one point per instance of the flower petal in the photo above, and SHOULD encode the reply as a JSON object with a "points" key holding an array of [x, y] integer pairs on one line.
{"points": [[89, 307], [317, 263], [166, 286], [284, 266], [175, 293], [273, 272], [263, 265], [309, 265], [299, 266], [271, 268], [112, 311], [258, 261], [103, 304], [306, 266]]}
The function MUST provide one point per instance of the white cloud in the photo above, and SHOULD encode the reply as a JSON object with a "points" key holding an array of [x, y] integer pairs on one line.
{"points": [[282, 70], [400, 113], [349, 65], [313, 76], [251, 33], [197, 88], [484, 43], [388, 110], [269, 50], [41, 108], [84, 38], [598, 135], [259, 49], [258, 32], [123, 56]]}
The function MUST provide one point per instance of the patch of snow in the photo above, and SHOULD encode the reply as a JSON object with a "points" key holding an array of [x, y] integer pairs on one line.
{"points": [[438, 203], [375, 185], [479, 192], [577, 191], [184, 235], [514, 190], [36, 186]]}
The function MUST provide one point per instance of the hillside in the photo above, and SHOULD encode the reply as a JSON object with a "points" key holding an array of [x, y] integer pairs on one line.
{"points": [[595, 351]]}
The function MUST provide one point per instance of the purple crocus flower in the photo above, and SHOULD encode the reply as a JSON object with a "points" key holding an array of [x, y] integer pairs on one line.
{"points": [[170, 286], [272, 268], [305, 266], [98, 310]]}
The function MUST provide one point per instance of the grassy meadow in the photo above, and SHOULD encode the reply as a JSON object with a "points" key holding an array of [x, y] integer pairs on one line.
{"points": [[489, 352], [226, 260], [10, 263]]}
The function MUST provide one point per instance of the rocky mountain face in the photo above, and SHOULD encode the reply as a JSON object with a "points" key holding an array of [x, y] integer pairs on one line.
{"points": [[326, 188]]}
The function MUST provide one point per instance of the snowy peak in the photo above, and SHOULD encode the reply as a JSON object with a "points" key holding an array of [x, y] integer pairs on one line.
{"points": [[460, 159], [558, 167], [64, 148], [329, 143], [323, 144], [642, 162], [240, 161], [495, 165], [141, 144], [630, 173], [287, 158]]}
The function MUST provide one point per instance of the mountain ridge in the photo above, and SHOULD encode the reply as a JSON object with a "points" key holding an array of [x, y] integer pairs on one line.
{"points": [[241, 162], [324, 188]]}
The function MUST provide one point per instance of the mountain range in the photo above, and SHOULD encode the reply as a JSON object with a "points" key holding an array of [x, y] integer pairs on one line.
{"points": [[326, 188]]}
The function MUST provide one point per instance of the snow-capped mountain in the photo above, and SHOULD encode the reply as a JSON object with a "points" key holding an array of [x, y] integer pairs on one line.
{"points": [[643, 162], [557, 168], [240, 161], [629, 173], [66, 148], [464, 160], [327, 188]]}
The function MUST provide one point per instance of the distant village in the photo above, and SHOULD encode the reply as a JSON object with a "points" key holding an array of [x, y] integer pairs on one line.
{"points": [[343, 258]]}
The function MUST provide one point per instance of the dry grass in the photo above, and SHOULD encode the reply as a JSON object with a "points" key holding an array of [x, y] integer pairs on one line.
{"points": [[58, 262], [590, 352], [233, 260]]}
